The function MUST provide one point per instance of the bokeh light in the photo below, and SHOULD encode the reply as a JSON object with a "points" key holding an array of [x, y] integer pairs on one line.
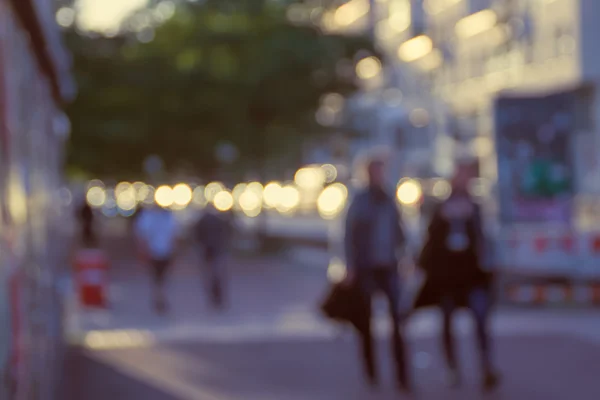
{"points": [[126, 201], [142, 192], [368, 68], [182, 195], [333, 101], [251, 202], [330, 172], [255, 187], [65, 17], [223, 201], [164, 196], [289, 199], [123, 187], [198, 197], [310, 178], [336, 272], [409, 192], [149, 198], [212, 189], [96, 196], [237, 192], [272, 194], [126, 196], [95, 183], [441, 189], [332, 200]]}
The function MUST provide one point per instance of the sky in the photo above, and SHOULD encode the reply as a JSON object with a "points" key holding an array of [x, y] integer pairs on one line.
{"points": [[105, 15]]}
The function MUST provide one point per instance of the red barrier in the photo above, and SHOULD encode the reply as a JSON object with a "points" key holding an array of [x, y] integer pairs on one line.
{"points": [[91, 268], [568, 244], [541, 244], [596, 244]]}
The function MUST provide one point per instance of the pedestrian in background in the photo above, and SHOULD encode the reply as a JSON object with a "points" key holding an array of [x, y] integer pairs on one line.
{"points": [[214, 231], [453, 260], [157, 233], [373, 239], [87, 222]]}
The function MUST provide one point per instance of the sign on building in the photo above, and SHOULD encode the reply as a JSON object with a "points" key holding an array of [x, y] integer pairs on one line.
{"points": [[535, 166]]}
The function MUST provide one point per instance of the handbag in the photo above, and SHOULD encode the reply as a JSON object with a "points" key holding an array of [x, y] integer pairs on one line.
{"points": [[347, 304]]}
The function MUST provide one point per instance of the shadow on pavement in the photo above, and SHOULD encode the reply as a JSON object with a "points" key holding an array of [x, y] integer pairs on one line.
{"points": [[534, 367], [87, 379]]}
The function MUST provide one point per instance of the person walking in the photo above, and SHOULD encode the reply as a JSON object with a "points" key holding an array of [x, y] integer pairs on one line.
{"points": [[87, 222], [373, 239], [214, 231], [453, 259], [157, 234]]}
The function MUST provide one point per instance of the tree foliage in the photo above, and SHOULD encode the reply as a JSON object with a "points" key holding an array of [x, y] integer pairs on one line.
{"points": [[223, 71]]}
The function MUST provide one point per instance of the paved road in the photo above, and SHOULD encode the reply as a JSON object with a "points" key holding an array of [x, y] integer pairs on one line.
{"points": [[272, 345]]}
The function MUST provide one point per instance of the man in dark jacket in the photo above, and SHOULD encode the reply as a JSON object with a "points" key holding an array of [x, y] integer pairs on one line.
{"points": [[214, 231], [373, 238], [453, 259]]}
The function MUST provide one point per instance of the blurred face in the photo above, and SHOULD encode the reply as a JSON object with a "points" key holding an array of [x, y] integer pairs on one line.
{"points": [[377, 174]]}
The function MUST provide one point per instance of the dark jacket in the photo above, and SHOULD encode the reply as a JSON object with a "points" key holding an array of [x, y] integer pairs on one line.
{"points": [[214, 232], [451, 273], [359, 228]]}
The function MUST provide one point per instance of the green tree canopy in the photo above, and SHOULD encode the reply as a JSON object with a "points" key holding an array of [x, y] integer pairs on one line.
{"points": [[220, 71]]}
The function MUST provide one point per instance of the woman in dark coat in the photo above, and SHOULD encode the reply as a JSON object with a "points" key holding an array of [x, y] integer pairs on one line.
{"points": [[452, 260]]}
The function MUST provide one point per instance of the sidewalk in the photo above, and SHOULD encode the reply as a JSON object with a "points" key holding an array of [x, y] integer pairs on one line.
{"points": [[272, 344], [263, 292]]}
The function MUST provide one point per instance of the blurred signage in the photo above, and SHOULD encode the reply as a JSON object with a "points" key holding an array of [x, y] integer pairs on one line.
{"points": [[535, 168]]}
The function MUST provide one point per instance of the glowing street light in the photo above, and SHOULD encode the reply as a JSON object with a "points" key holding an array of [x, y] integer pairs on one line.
{"points": [[251, 203], [351, 12], [289, 200], [198, 196], [368, 68], [272, 194], [164, 196], [332, 200], [182, 195], [415, 48], [212, 189], [223, 201], [476, 24], [310, 178], [96, 196], [409, 192]]}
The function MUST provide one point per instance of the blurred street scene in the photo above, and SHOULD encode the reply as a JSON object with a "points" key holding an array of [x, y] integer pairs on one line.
{"points": [[299, 199], [273, 343]]}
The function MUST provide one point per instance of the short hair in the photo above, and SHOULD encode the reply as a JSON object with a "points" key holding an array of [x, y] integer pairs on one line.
{"points": [[364, 161]]}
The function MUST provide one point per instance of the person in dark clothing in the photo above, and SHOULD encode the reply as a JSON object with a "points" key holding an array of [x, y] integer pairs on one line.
{"points": [[86, 218], [373, 238], [453, 259], [214, 231]]}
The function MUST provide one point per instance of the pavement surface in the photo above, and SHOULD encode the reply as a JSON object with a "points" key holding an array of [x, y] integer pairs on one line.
{"points": [[272, 344]]}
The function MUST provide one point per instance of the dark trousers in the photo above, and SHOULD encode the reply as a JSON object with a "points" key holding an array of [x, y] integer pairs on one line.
{"points": [[160, 268], [214, 261], [385, 281], [479, 305]]}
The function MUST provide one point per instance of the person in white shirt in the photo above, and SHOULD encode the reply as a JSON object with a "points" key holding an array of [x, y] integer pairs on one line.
{"points": [[157, 233]]}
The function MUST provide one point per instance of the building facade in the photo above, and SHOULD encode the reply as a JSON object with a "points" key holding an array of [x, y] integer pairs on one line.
{"points": [[33, 84], [457, 58]]}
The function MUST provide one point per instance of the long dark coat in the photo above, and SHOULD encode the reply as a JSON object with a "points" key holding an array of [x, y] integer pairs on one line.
{"points": [[448, 273]]}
